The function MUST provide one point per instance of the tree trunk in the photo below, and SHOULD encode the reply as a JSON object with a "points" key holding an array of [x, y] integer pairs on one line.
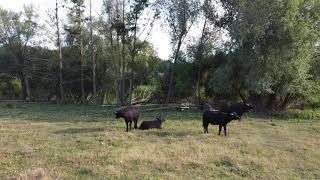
{"points": [[123, 76], [23, 86], [28, 93], [172, 70], [271, 101], [133, 55], [92, 59], [119, 76], [242, 96], [123, 59], [197, 93], [287, 101], [113, 57], [197, 90], [60, 57], [82, 69], [94, 77]]}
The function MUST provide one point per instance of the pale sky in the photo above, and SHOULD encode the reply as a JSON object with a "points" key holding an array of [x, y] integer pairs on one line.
{"points": [[159, 36]]}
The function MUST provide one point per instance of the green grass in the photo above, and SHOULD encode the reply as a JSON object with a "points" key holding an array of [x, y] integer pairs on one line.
{"points": [[74, 142]]}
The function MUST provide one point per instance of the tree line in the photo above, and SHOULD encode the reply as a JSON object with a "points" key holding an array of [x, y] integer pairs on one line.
{"points": [[264, 51]]}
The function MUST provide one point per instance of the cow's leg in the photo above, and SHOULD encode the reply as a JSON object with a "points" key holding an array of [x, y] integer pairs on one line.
{"points": [[220, 129], [127, 126], [225, 130], [130, 125], [205, 127], [135, 123]]}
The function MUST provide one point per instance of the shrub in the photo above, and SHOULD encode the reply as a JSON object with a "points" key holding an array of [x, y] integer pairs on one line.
{"points": [[313, 102], [297, 113]]}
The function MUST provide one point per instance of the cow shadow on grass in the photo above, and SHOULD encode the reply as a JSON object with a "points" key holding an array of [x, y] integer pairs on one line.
{"points": [[78, 130], [169, 134]]}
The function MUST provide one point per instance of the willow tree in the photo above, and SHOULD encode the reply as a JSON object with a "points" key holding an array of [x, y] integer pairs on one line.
{"points": [[57, 22], [180, 16], [113, 29], [273, 45], [134, 15], [75, 29], [17, 34], [93, 50]]}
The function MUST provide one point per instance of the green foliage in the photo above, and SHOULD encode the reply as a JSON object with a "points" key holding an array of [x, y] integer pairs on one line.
{"points": [[273, 54], [9, 86], [143, 93], [184, 81], [180, 15], [308, 114], [274, 43], [312, 101]]}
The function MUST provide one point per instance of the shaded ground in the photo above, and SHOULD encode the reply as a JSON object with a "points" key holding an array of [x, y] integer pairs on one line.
{"points": [[73, 142]]}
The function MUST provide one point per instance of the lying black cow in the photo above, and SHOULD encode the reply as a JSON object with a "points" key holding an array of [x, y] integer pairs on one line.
{"points": [[218, 118], [129, 114], [239, 108], [152, 124]]}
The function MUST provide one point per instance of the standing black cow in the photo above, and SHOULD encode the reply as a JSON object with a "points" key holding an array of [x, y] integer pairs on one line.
{"points": [[239, 108], [129, 114], [218, 118], [207, 107]]}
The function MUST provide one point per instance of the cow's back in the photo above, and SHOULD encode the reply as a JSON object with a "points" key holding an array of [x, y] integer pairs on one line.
{"points": [[131, 112], [237, 108], [214, 117]]}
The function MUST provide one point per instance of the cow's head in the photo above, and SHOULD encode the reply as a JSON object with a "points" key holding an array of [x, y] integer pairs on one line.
{"points": [[160, 119], [234, 116], [248, 107], [118, 113]]}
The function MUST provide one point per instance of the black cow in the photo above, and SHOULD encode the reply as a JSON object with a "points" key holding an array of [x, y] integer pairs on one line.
{"points": [[207, 107], [218, 118], [239, 108], [129, 114], [152, 124]]}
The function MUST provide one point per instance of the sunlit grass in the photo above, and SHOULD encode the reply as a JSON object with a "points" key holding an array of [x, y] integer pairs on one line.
{"points": [[73, 142]]}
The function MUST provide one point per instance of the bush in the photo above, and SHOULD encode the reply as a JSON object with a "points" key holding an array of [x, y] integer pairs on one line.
{"points": [[313, 102], [143, 93], [10, 87], [297, 113]]}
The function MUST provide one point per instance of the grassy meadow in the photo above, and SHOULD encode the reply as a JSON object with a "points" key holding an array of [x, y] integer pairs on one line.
{"points": [[74, 142]]}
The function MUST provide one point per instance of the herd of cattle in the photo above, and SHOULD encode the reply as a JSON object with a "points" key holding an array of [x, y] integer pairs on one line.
{"points": [[220, 117]]}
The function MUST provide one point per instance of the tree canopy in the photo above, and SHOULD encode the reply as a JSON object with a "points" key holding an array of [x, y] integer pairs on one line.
{"points": [[270, 54]]}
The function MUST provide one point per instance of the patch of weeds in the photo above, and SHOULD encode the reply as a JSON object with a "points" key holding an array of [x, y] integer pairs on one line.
{"points": [[78, 130], [169, 134], [193, 165], [55, 159], [243, 151], [10, 106], [84, 173], [253, 168], [230, 165], [111, 143]]}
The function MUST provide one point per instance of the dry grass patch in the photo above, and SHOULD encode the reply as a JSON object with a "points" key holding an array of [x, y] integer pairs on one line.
{"points": [[83, 144]]}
